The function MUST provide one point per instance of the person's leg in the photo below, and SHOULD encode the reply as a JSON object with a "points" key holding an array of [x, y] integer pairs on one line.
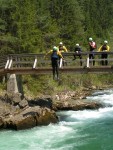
{"points": [[74, 56], [80, 60], [93, 57], [90, 57], [102, 61], [57, 69], [106, 61], [53, 68]]}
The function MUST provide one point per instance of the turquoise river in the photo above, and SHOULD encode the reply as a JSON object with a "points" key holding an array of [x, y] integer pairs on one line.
{"points": [[77, 130]]}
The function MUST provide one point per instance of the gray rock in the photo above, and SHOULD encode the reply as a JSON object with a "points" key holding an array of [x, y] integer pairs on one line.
{"points": [[16, 99], [23, 103], [76, 105], [31, 117], [12, 98]]}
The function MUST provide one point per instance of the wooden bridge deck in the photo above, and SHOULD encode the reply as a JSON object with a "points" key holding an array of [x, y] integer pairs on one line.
{"points": [[36, 64], [66, 70]]}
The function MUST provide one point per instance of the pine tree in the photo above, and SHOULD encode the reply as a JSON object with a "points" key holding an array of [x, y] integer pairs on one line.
{"points": [[25, 25], [69, 18]]}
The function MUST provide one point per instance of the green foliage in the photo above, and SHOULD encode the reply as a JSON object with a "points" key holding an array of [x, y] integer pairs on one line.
{"points": [[69, 20], [37, 85], [33, 26], [24, 22]]}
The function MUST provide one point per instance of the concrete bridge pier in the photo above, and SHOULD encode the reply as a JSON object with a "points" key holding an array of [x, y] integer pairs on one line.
{"points": [[14, 84]]}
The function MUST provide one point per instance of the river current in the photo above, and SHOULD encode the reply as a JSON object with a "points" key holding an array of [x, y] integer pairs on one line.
{"points": [[77, 130]]}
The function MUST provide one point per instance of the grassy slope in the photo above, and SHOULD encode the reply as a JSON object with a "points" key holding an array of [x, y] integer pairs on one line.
{"points": [[37, 85]]}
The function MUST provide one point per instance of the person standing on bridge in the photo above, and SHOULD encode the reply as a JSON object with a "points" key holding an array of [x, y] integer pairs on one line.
{"points": [[62, 49], [78, 51], [92, 47], [55, 54], [104, 48]]}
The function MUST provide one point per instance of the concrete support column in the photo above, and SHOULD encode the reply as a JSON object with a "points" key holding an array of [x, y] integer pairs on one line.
{"points": [[14, 83]]}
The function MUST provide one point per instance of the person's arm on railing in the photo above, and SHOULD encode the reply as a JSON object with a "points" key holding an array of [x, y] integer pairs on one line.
{"points": [[108, 49], [100, 49], [50, 52]]}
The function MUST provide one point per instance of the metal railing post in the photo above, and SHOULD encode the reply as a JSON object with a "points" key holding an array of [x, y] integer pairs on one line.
{"points": [[7, 63], [87, 62], [10, 63], [35, 62], [60, 63]]}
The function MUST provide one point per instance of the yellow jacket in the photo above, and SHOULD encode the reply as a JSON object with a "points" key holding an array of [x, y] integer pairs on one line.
{"points": [[62, 49], [58, 53], [104, 48]]}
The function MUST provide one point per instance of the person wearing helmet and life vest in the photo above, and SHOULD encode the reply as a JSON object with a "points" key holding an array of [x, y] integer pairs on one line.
{"points": [[92, 47], [78, 51], [62, 49], [55, 54], [104, 48]]}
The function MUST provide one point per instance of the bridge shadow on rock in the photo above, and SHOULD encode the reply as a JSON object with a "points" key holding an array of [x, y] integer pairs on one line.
{"points": [[42, 102]]}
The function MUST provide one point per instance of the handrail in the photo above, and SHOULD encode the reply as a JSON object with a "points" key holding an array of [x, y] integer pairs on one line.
{"points": [[37, 61]]}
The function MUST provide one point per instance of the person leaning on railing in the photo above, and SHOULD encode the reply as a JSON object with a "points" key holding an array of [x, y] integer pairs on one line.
{"points": [[77, 53], [92, 47], [104, 48], [55, 54]]}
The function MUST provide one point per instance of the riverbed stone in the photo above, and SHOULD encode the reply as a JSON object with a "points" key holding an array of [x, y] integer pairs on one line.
{"points": [[23, 103], [31, 117], [76, 105]]}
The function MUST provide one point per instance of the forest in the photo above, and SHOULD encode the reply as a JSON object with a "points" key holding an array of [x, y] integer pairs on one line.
{"points": [[35, 26]]}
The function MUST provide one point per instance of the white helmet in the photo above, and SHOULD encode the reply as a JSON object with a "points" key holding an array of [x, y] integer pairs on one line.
{"points": [[105, 42], [77, 44], [60, 43], [90, 39]]}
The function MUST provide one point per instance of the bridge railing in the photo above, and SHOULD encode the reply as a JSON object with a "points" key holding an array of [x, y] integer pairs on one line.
{"points": [[3, 60], [35, 61], [69, 59]]}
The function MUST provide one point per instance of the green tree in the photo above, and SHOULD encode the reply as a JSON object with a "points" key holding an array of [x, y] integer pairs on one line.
{"points": [[25, 25], [47, 25], [69, 18], [6, 39]]}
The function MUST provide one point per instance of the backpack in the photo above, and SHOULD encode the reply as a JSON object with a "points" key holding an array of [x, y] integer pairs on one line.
{"points": [[54, 55], [94, 45]]}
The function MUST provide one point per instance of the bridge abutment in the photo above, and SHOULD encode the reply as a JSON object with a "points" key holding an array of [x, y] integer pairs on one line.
{"points": [[14, 84]]}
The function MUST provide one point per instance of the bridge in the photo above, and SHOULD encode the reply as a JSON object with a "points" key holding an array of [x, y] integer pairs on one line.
{"points": [[36, 64], [14, 65]]}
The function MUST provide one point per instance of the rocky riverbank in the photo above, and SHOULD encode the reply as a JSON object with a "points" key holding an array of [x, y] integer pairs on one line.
{"points": [[23, 113]]}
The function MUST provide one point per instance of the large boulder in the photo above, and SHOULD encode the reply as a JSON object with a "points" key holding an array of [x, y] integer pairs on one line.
{"points": [[76, 105], [31, 117]]}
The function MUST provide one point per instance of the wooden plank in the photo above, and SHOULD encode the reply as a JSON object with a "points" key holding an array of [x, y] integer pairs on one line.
{"points": [[97, 70]]}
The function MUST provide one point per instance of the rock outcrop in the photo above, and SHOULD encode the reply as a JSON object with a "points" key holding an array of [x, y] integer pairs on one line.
{"points": [[76, 105], [17, 113], [31, 117]]}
